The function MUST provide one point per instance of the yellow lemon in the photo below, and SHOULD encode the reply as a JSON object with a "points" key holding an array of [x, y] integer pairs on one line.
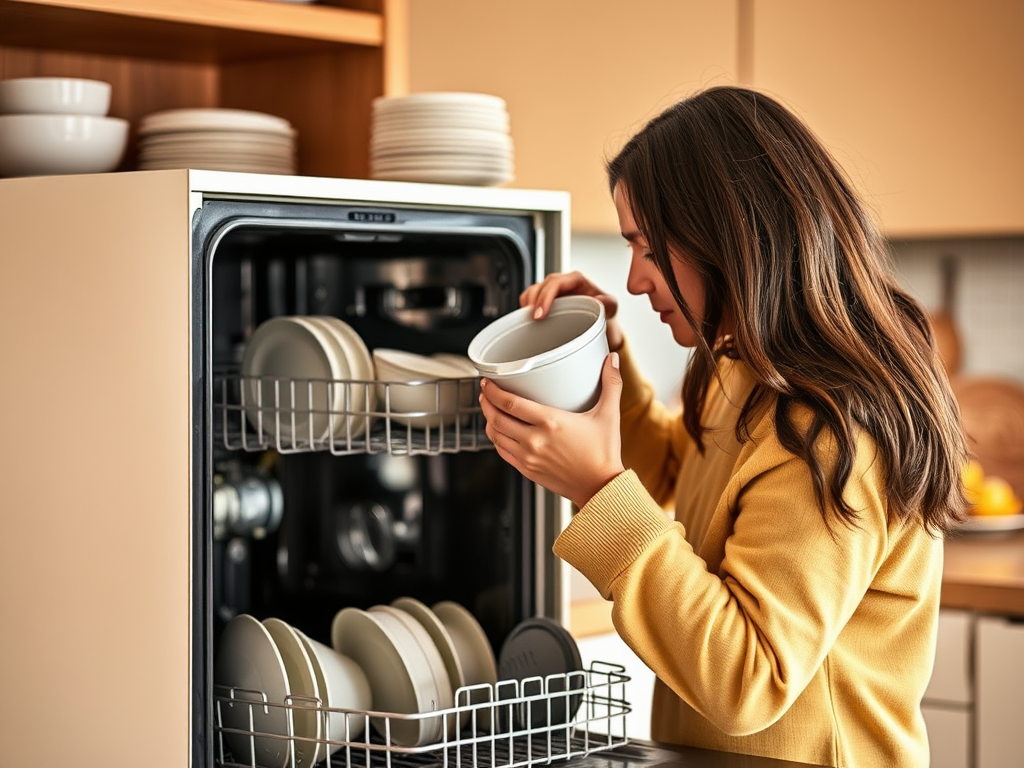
{"points": [[973, 477], [996, 497]]}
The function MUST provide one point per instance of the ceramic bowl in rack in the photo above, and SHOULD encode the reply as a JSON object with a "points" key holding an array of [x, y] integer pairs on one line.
{"points": [[343, 686], [416, 390]]}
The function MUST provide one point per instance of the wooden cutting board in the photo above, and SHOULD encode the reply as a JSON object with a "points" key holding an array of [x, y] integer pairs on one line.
{"points": [[992, 409]]}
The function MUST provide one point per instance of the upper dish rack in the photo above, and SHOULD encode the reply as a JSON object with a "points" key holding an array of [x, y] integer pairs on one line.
{"points": [[532, 726], [347, 417]]}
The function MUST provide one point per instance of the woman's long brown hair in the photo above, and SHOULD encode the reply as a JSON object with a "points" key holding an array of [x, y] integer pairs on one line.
{"points": [[733, 183]]}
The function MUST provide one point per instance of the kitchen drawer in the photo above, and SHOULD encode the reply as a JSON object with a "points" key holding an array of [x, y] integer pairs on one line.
{"points": [[951, 676]]}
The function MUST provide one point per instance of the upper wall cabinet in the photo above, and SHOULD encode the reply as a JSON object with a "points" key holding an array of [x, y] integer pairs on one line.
{"points": [[579, 76], [922, 101], [318, 66]]}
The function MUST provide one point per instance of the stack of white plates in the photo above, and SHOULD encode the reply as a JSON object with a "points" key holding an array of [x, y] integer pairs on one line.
{"points": [[446, 138], [217, 140], [301, 380]]}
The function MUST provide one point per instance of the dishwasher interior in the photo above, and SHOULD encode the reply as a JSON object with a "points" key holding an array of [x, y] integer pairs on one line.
{"points": [[298, 527]]}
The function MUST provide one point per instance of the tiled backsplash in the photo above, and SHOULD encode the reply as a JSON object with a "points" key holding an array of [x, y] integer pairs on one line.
{"points": [[988, 297], [988, 302]]}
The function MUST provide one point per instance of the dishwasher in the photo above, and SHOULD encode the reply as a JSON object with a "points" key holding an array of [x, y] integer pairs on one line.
{"points": [[180, 513]]}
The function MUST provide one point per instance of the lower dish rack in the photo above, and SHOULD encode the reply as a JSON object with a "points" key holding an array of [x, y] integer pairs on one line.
{"points": [[508, 725]]}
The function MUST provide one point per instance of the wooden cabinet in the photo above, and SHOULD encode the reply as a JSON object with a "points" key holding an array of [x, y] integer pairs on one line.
{"points": [[579, 76], [919, 100], [319, 66]]}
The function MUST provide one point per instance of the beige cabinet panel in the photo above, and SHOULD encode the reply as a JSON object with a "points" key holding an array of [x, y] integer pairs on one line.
{"points": [[96, 553], [579, 76], [949, 737], [920, 100], [951, 676], [999, 664]]}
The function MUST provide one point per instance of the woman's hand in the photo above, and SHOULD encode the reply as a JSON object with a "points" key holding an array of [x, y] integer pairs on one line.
{"points": [[571, 454], [540, 295]]}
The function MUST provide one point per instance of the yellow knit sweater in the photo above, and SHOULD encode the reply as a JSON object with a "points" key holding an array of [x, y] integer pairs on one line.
{"points": [[769, 636]]}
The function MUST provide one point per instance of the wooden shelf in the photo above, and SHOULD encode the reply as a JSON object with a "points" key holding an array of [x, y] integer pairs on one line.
{"points": [[319, 66], [201, 31]]}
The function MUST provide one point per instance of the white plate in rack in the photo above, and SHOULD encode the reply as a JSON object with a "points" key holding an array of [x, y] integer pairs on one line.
{"points": [[248, 660], [286, 368], [401, 681], [442, 640], [478, 662], [432, 654], [355, 359], [302, 683]]}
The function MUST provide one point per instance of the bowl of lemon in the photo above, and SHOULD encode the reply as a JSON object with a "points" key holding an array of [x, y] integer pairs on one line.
{"points": [[994, 505]]}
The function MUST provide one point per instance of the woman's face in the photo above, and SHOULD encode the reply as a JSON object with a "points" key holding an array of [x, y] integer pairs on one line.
{"points": [[645, 278]]}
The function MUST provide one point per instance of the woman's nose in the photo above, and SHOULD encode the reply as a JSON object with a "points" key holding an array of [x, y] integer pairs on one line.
{"points": [[638, 282]]}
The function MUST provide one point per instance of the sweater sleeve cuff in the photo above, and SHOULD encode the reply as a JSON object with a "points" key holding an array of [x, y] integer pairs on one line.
{"points": [[611, 531]]}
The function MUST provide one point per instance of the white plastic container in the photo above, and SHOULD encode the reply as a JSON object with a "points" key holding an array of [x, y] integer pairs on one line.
{"points": [[556, 361]]}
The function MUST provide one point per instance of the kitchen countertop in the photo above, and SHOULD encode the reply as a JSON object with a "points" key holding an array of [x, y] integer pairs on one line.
{"points": [[982, 572], [985, 573]]}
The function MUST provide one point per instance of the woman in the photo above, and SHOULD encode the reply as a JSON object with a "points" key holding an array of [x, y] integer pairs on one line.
{"points": [[789, 609]]}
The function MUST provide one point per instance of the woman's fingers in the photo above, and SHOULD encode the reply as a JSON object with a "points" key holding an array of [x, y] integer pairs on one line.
{"points": [[541, 295]]}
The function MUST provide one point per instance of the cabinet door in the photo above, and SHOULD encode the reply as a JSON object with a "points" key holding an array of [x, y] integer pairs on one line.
{"points": [[999, 660], [949, 736], [951, 680], [579, 76], [919, 100]]}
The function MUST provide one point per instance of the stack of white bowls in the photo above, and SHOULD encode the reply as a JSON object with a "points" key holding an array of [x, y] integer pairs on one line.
{"points": [[58, 125], [422, 391], [217, 140], [442, 137]]}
